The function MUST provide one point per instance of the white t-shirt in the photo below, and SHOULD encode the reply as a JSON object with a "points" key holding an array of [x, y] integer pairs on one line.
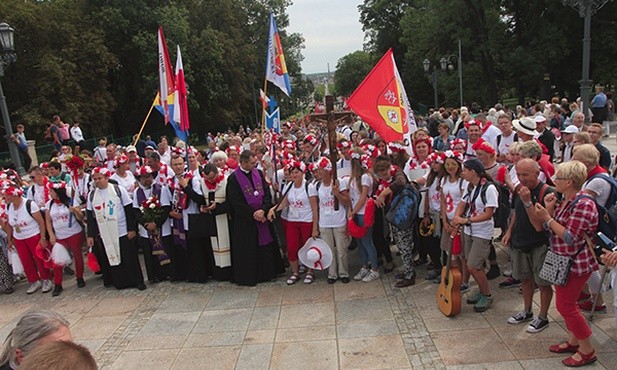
{"points": [[61, 217], [24, 226], [482, 229], [355, 193], [39, 195], [433, 195], [299, 209], [504, 143], [413, 175], [491, 134], [600, 187], [328, 217], [165, 200], [127, 182], [76, 134], [452, 192], [125, 200], [166, 157]]}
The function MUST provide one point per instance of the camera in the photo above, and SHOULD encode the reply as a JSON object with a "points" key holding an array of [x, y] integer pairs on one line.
{"points": [[605, 244]]}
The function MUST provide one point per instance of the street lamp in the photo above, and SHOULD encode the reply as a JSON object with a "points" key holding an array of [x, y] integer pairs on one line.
{"points": [[446, 63], [8, 56], [586, 8], [426, 64]]}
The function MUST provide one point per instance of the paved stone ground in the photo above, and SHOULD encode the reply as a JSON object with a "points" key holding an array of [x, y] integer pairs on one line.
{"points": [[321, 326]]}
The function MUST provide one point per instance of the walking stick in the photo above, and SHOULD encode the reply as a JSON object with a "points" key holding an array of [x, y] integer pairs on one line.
{"points": [[595, 300]]}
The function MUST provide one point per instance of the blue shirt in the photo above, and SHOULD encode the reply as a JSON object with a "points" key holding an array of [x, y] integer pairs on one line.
{"points": [[599, 101]]}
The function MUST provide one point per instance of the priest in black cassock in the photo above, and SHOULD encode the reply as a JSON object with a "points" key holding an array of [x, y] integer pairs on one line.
{"points": [[254, 254]]}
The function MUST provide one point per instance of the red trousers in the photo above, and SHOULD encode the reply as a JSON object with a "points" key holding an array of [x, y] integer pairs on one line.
{"points": [[73, 244], [566, 301], [33, 266], [297, 233]]}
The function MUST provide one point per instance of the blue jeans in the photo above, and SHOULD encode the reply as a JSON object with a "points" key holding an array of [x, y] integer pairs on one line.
{"points": [[368, 253]]}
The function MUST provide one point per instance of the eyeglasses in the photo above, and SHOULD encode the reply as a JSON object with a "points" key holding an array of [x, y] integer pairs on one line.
{"points": [[560, 178]]}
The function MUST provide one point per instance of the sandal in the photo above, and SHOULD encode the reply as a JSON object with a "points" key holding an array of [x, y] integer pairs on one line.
{"points": [[560, 348], [308, 278], [292, 279], [585, 359]]}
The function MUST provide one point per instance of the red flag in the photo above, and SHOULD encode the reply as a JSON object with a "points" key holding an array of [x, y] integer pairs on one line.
{"points": [[381, 101], [181, 110]]}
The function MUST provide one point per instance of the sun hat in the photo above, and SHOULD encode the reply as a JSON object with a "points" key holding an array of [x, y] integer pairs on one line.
{"points": [[315, 254], [525, 125]]}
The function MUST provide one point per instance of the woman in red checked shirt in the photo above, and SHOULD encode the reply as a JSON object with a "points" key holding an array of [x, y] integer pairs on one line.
{"points": [[64, 227], [568, 223]]}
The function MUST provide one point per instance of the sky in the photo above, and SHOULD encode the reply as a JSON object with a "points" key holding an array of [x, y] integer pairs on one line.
{"points": [[331, 30]]}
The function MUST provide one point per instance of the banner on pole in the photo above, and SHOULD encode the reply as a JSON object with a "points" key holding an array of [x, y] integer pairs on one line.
{"points": [[273, 121]]}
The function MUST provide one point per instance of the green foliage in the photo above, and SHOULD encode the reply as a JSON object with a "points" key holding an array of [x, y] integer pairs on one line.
{"points": [[96, 61], [351, 70], [508, 46]]}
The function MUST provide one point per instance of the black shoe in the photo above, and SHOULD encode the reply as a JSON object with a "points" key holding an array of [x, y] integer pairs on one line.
{"points": [[331, 281], [57, 290], [345, 280], [387, 269], [69, 271], [155, 280], [420, 262], [493, 272], [141, 286], [9, 291], [81, 283]]}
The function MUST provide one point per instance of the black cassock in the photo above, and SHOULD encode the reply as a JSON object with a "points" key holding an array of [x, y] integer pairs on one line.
{"points": [[251, 263], [204, 227]]}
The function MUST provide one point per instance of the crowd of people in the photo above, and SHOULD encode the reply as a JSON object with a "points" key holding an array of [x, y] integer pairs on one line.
{"points": [[241, 209]]}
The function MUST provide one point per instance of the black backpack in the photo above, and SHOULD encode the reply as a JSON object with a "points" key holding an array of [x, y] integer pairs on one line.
{"points": [[403, 210]]}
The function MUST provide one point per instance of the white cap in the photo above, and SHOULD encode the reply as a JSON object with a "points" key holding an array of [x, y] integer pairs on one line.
{"points": [[570, 129]]}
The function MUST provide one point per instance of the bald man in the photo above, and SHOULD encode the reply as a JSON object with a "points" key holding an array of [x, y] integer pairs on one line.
{"points": [[528, 244]]}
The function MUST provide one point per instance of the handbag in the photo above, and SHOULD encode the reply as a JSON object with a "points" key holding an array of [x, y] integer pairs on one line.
{"points": [[556, 268]]}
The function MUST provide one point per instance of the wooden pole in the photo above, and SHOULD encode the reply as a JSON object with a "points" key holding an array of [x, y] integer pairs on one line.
{"points": [[263, 112], [146, 120]]}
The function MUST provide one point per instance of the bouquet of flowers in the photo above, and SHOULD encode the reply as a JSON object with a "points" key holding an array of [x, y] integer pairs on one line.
{"points": [[151, 209]]}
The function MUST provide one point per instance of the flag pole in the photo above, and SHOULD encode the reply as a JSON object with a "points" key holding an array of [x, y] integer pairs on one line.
{"points": [[146, 120], [263, 112]]}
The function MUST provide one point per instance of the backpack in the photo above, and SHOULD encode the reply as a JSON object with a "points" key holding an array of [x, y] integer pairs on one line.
{"points": [[116, 189], [403, 210], [607, 213], [502, 211]]}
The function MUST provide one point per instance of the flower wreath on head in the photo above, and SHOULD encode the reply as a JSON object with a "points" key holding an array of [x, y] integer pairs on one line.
{"points": [[56, 185], [14, 191], [371, 150], [458, 141], [356, 155], [311, 140], [455, 154], [296, 164], [366, 161], [397, 147], [437, 157], [102, 171], [343, 145], [121, 159], [324, 163], [484, 146], [289, 144]]}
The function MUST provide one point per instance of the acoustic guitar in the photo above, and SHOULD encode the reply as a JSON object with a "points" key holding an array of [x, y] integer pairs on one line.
{"points": [[449, 291]]}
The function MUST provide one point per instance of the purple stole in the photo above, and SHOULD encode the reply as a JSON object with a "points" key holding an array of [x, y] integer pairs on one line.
{"points": [[158, 248], [177, 225], [254, 196]]}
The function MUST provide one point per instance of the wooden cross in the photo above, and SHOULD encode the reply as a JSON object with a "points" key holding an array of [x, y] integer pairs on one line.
{"points": [[332, 118]]}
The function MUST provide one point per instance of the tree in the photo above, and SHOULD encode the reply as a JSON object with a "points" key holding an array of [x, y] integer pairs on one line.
{"points": [[351, 70]]}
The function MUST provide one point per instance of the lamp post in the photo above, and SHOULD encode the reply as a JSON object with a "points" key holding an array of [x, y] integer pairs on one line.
{"points": [[8, 56], [426, 64], [446, 63], [586, 8]]}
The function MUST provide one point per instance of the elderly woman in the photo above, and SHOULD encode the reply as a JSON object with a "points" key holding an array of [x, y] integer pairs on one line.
{"points": [[33, 329], [569, 223], [219, 158]]}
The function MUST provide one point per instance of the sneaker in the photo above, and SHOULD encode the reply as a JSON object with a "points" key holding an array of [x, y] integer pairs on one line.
{"points": [[483, 303], [520, 317], [57, 290], [493, 272], [371, 276], [464, 287], [509, 283], [34, 287], [587, 305], [474, 298], [361, 274], [432, 275], [47, 286], [537, 325]]}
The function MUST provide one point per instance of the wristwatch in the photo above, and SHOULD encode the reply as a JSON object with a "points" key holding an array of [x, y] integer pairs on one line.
{"points": [[528, 204], [468, 223]]}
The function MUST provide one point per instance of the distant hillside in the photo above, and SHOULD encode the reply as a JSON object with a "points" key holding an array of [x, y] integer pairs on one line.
{"points": [[318, 78]]}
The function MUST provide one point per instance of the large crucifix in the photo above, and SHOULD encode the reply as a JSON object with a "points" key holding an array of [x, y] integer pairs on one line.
{"points": [[332, 119]]}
